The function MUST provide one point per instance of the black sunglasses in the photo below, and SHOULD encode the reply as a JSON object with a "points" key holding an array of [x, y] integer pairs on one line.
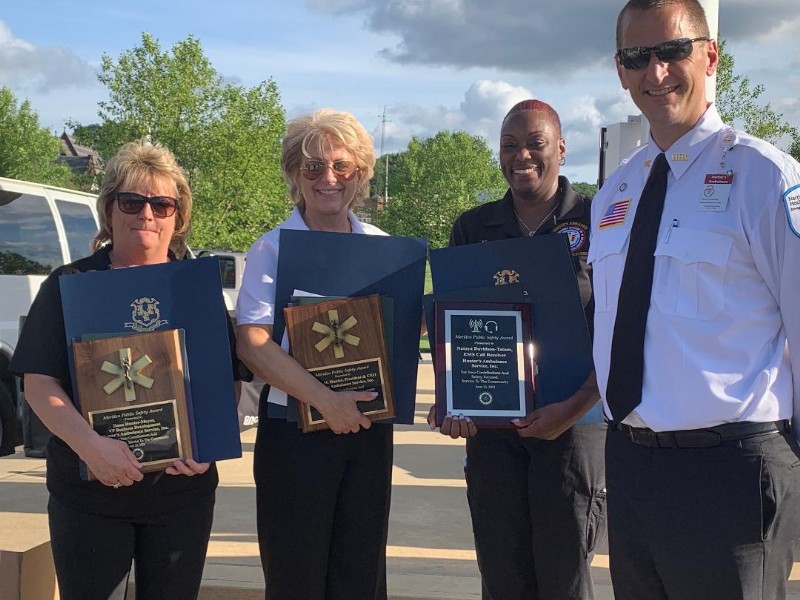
{"points": [[638, 57], [132, 203]]}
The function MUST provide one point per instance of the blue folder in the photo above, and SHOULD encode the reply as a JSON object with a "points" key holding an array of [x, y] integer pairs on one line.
{"points": [[544, 267], [189, 296], [340, 264]]}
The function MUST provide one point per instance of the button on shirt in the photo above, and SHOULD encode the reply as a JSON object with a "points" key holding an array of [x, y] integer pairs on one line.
{"points": [[256, 302], [723, 328]]}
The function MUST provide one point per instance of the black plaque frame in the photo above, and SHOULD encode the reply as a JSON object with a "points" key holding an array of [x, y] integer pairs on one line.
{"points": [[476, 373]]}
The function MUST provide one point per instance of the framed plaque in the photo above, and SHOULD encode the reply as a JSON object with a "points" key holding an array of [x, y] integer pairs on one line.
{"points": [[484, 361], [342, 344], [543, 265], [133, 388]]}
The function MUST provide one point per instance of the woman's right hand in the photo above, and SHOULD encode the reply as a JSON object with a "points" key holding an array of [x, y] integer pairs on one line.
{"points": [[341, 412], [456, 427], [112, 462]]}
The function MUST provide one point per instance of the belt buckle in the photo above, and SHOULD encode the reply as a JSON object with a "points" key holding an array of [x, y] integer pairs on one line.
{"points": [[643, 436]]}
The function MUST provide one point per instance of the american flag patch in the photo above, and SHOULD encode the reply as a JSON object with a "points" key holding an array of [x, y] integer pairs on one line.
{"points": [[615, 215]]}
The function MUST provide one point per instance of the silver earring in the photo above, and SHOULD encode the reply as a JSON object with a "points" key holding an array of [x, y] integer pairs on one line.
{"points": [[562, 161]]}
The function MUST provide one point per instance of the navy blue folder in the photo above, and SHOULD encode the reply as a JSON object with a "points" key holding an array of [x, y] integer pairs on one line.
{"points": [[340, 264], [189, 296], [543, 265]]}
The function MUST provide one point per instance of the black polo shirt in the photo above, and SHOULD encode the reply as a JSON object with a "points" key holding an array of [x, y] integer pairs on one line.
{"points": [[42, 349], [496, 220]]}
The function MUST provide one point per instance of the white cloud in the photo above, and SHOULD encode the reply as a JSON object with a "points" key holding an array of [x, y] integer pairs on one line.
{"points": [[557, 38], [481, 111], [24, 66]]}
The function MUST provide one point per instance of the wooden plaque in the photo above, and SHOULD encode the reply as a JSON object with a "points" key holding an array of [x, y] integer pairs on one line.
{"points": [[133, 388], [342, 343]]}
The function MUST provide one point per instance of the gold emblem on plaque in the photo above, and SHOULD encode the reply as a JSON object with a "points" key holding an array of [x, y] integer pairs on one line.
{"points": [[336, 333], [127, 374], [145, 315], [506, 276]]}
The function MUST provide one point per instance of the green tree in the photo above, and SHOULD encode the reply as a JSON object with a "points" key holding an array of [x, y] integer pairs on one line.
{"points": [[794, 149], [587, 189], [436, 179], [225, 136], [27, 150], [738, 104]]}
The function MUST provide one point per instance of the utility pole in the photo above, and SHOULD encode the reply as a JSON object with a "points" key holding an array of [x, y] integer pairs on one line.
{"points": [[384, 120]]}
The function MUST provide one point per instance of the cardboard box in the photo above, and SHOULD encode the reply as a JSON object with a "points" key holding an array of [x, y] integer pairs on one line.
{"points": [[26, 561]]}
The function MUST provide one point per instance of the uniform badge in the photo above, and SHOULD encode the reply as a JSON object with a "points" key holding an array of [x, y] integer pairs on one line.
{"points": [[506, 276], [145, 315], [716, 192], [577, 233], [615, 214], [680, 156], [791, 202], [623, 187]]}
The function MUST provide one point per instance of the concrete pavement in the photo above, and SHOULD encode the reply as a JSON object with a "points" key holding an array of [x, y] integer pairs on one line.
{"points": [[431, 555]]}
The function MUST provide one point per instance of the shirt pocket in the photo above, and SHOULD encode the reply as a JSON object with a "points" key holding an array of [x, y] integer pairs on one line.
{"points": [[608, 261], [689, 273]]}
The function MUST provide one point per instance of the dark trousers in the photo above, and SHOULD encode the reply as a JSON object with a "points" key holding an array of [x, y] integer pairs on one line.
{"points": [[93, 553], [323, 511], [703, 524], [538, 511]]}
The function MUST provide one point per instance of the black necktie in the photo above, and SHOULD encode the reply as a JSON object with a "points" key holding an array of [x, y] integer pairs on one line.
{"points": [[626, 372]]}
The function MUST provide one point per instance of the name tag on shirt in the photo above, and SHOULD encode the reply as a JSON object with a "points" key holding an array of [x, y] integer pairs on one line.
{"points": [[716, 190]]}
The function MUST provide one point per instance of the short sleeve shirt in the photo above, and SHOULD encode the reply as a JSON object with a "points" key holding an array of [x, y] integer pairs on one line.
{"points": [[256, 302]]}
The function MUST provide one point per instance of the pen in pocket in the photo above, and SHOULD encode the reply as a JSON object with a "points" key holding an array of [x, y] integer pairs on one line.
{"points": [[669, 231]]}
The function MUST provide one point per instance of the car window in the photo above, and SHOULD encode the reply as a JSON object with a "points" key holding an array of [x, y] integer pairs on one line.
{"points": [[28, 237], [227, 268], [79, 225]]}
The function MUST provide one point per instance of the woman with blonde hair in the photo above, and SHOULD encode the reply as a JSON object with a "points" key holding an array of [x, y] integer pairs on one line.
{"points": [[160, 521], [322, 497]]}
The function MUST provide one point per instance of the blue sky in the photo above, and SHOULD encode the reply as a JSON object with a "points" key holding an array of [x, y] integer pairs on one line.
{"points": [[443, 64]]}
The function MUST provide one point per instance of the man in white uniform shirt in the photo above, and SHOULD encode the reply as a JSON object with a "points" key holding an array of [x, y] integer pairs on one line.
{"points": [[703, 471]]}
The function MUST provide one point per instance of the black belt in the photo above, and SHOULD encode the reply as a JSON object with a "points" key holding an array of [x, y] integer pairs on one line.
{"points": [[708, 437]]}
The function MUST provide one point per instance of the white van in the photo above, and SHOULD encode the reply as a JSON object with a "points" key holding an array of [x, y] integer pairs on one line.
{"points": [[41, 228], [231, 269]]}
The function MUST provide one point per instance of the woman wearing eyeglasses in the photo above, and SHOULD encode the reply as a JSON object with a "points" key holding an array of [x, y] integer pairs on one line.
{"points": [[322, 497], [161, 521]]}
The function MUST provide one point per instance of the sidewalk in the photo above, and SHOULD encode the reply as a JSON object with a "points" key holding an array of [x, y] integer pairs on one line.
{"points": [[431, 555]]}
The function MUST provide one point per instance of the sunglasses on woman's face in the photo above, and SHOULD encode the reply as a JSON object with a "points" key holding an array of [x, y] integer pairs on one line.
{"points": [[343, 169], [638, 57], [132, 203]]}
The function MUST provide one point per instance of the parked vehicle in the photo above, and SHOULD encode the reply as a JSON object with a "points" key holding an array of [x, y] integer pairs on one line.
{"points": [[231, 268], [41, 228]]}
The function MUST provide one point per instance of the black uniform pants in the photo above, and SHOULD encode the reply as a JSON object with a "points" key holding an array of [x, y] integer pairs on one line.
{"points": [[538, 511], [93, 553], [703, 523], [323, 511]]}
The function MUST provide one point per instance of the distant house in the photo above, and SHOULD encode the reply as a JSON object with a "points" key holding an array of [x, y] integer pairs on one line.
{"points": [[371, 207], [82, 160]]}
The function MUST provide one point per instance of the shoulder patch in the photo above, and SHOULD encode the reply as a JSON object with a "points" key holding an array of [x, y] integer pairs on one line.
{"points": [[791, 202], [577, 233]]}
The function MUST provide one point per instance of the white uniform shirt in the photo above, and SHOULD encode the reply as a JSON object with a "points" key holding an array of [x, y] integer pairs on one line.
{"points": [[256, 302], [723, 329]]}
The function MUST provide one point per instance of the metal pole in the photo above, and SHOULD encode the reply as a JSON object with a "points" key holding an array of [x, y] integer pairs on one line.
{"points": [[386, 158]]}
